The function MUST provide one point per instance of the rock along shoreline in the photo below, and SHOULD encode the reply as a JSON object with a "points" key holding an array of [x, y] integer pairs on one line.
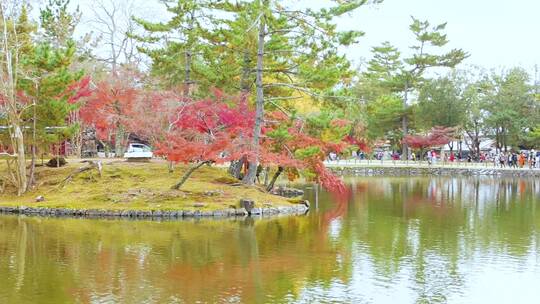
{"points": [[298, 209], [433, 171]]}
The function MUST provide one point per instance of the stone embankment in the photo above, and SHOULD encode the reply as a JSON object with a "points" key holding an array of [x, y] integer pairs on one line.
{"points": [[296, 209], [433, 171]]}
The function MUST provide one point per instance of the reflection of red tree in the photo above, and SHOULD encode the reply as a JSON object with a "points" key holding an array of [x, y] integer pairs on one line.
{"points": [[435, 201], [361, 187], [341, 201]]}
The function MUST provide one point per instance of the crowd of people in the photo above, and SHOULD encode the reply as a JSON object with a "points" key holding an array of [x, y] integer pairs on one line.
{"points": [[512, 159], [523, 159]]}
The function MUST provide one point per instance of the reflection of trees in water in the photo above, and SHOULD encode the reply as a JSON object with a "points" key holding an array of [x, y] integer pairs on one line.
{"points": [[157, 262], [415, 231], [438, 224]]}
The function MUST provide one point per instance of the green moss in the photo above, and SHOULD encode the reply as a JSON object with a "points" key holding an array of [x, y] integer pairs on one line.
{"points": [[140, 186]]}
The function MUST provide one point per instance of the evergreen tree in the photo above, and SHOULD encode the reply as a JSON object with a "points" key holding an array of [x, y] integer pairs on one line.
{"points": [[413, 75], [47, 85], [388, 73], [297, 54], [182, 49], [441, 103], [48, 80], [58, 23], [511, 107], [381, 75]]}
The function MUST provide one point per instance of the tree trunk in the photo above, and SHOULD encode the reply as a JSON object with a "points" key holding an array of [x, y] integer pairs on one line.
{"points": [[259, 112], [31, 179], [477, 146], [245, 83], [8, 86], [266, 172], [119, 142], [274, 179], [504, 139], [170, 166], [187, 75], [188, 58], [405, 124], [188, 174], [90, 165], [77, 137], [58, 156], [235, 168], [18, 145]]}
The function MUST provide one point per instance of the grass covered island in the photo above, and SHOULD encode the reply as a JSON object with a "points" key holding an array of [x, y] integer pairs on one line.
{"points": [[142, 190]]}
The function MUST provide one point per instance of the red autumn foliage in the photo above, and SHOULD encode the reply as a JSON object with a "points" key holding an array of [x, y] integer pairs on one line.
{"points": [[360, 143], [208, 131], [438, 136], [219, 130], [110, 106], [282, 151], [328, 179], [154, 115], [215, 130], [78, 90]]}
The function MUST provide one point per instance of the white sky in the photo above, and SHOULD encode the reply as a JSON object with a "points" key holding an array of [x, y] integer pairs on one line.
{"points": [[496, 33]]}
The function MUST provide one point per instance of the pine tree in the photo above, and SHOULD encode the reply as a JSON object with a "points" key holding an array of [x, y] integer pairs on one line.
{"points": [[49, 80], [412, 76], [181, 49], [58, 23], [297, 55], [389, 73]]}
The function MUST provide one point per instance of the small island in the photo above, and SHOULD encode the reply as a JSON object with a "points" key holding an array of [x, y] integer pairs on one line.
{"points": [[143, 190]]}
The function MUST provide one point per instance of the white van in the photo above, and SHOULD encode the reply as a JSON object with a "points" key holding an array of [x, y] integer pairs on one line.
{"points": [[138, 151]]}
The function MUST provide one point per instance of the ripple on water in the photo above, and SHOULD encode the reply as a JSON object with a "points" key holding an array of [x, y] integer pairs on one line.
{"points": [[399, 240]]}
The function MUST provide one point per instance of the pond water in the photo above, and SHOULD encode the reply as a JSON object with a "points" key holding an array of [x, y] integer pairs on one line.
{"points": [[391, 240]]}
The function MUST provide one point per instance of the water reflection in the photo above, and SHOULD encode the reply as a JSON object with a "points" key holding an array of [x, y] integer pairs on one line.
{"points": [[419, 240]]}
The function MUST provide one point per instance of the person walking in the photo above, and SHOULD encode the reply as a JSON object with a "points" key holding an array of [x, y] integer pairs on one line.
{"points": [[502, 159], [521, 160], [514, 160]]}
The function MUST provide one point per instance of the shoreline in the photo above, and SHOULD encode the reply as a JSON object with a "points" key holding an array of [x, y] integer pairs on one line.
{"points": [[378, 170], [142, 191], [298, 209]]}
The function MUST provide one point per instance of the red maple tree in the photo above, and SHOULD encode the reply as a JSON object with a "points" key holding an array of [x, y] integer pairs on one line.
{"points": [[109, 110], [288, 144], [207, 131], [212, 130], [219, 130], [437, 136], [154, 114]]}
